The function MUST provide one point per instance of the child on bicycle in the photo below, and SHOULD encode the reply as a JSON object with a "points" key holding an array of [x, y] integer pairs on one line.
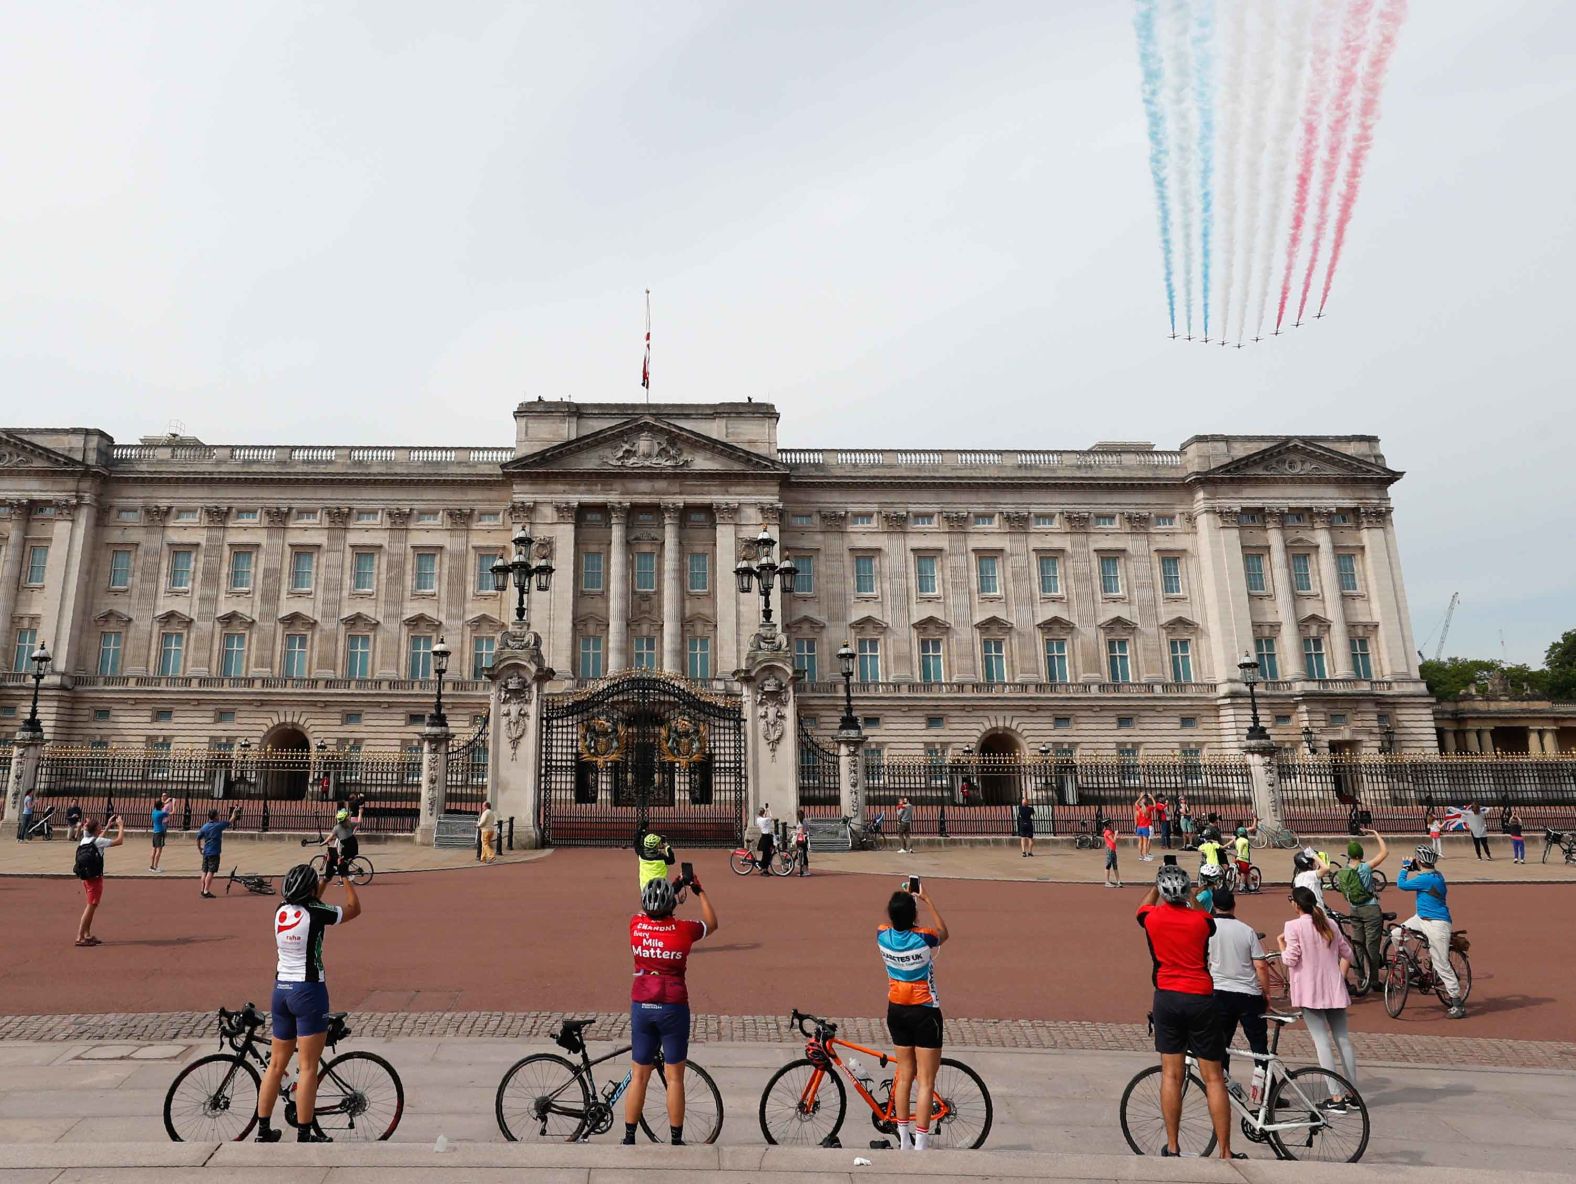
{"points": [[1244, 852]]}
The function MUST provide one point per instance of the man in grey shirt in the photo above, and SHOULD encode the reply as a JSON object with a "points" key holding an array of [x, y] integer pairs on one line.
{"points": [[1477, 827], [1242, 980], [905, 824]]}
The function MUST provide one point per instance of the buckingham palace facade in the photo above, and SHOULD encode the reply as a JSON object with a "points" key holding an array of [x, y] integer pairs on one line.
{"points": [[1092, 602]]}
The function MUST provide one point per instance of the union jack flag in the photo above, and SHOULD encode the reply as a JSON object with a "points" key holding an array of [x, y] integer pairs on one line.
{"points": [[1453, 818]]}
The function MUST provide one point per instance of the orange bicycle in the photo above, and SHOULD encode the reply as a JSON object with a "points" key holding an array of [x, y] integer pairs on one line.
{"points": [[805, 1101]]}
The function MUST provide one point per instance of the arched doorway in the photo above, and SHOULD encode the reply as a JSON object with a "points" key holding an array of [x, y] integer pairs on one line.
{"points": [[283, 762], [1001, 768]]}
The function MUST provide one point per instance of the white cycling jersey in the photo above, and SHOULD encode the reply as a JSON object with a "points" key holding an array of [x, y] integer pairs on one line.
{"points": [[298, 932]]}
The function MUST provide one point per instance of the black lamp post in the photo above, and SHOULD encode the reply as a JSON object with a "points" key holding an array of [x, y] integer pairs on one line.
{"points": [[1249, 666], [764, 572], [440, 667], [40, 659], [1387, 741], [845, 667], [522, 570], [1308, 739]]}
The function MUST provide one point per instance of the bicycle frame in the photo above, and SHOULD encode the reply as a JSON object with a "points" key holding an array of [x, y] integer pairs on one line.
{"points": [[1274, 1069], [887, 1113]]}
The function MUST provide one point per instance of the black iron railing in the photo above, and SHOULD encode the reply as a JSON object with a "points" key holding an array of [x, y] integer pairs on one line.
{"points": [[1395, 792]]}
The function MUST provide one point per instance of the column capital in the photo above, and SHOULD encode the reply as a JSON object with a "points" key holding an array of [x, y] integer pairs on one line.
{"points": [[834, 518], [520, 513], [17, 507], [894, 519], [1275, 517], [219, 515], [956, 519], [618, 511], [1373, 517], [671, 512], [157, 514], [1322, 516], [726, 511], [1075, 519], [460, 515], [1228, 515], [1136, 520], [772, 515], [274, 515], [565, 510], [398, 516]]}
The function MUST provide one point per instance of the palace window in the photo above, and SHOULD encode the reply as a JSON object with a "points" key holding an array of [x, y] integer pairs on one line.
{"points": [[645, 571], [172, 654], [484, 566], [804, 658], [984, 520], [1117, 661], [861, 519], [425, 581], [1302, 571], [1269, 661], [482, 649], [931, 667], [591, 578], [246, 515], [293, 663], [1110, 575], [988, 568], [419, 665], [922, 520], [241, 567], [186, 515], [804, 584], [1056, 660], [1165, 520], [364, 517], [181, 569], [993, 659], [645, 653], [303, 565], [1105, 521], [232, 656], [364, 571], [37, 564], [869, 654], [1253, 569], [1313, 657], [591, 657], [1181, 660], [1362, 660], [864, 575], [110, 647], [801, 520], [1050, 575], [120, 570], [1171, 575], [698, 655], [1346, 569], [358, 655], [700, 573], [1044, 520], [22, 655], [926, 581]]}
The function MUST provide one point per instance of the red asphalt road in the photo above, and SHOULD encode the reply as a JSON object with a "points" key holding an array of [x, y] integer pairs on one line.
{"points": [[552, 935]]}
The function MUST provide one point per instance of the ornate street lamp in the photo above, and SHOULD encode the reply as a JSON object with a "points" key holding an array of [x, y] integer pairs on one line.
{"points": [[765, 572], [1387, 741], [440, 667], [41, 659], [845, 667], [1249, 666], [1309, 741], [522, 570]]}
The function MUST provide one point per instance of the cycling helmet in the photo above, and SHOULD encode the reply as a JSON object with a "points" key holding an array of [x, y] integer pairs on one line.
{"points": [[657, 898], [1212, 834], [1242, 832], [1211, 871], [342, 816], [300, 886], [1173, 883], [1354, 850], [1425, 855], [651, 845], [1303, 861]]}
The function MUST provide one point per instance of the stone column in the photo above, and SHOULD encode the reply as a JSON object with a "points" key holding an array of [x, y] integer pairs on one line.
{"points": [[1340, 662], [727, 591], [1289, 640], [1266, 780], [1223, 589], [519, 680], [554, 614], [771, 726], [205, 596], [672, 591], [1469, 740], [1534, 741], [27, 749], [11, 564], [1448, 737], [146, 584], [332, 595], [1486, 741], [271, 578], [851, 774], [1085, 662], [1396, 661], [618, 589], [75, 593], [434, 781]]}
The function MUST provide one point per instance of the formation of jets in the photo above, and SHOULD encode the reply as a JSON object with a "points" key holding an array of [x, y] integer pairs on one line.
{"points": [[1223, 342]]}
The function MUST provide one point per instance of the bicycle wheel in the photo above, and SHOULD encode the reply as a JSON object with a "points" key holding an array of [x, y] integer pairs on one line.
{"points": [[802, 1105], [359, 1099], [1144, 1127], [742, 862], [1286, 839], [702, 1106], [319, 864], [1280, 988], [1380, 882], [1259, 839], [1255, 879], [1397, 982], [1463, 968], [969, 1113], [783, 864], [213, 1099], [360, 871], [542, 1097], [1358, 980], [1328, 1136]]}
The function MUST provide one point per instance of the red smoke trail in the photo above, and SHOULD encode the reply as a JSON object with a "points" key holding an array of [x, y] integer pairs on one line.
{"points": [[1312, 107], [1354, 39], [1390, 19]]}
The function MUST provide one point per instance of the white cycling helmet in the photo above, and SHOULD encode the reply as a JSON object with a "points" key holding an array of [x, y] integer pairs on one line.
{"points": [[1211, 871], [1426, 855], [1173, 884]]}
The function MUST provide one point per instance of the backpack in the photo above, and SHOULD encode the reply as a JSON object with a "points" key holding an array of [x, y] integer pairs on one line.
{"points": [[1352, 887], [90, 861]]}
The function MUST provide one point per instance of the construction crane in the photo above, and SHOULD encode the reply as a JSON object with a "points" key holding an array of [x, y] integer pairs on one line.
{"points": [[1444, 628]]}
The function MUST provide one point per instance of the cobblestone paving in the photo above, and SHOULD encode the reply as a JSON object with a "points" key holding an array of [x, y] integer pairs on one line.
{"points": [[1029, 1035]]}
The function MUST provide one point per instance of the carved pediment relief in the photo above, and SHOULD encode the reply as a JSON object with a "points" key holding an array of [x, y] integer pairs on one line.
{"points": [[298, 621], [699, 620], [172, 616], [1314, 619], [110, 617], [359, 621], [993, 624], [1118, 625], [483, 622], [645, 443], [1057, 625], [1180, 624], [18, 452], [235, 619], [932, 624], [1295, 459], [805, 623], [868, 624], [421, 621]]}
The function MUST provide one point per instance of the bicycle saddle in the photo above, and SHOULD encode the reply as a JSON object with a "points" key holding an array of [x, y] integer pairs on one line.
{"points": [[576, 1025], [1388, 916], [335, 1017], [1276, 1017]]}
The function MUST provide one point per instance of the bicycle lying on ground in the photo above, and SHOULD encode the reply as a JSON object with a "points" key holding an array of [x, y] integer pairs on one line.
{"points": [[1409, 966], [805, 1101], [260, 885], [1267, 834], [214, 1099], [1555, 840], [1293, 1111], [546, 1096]]}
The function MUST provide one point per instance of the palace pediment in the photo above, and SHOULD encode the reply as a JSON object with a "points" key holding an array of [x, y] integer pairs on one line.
{"points": [[422, 621], [298, 621], [1057, 625], [645, 444], [933, 624], [110, 617], [1296, 459], [1118, 624], [19, 454], [868, 624], [803, 622], [175, 617], [993, 624], [359, 621], [235, 619]]}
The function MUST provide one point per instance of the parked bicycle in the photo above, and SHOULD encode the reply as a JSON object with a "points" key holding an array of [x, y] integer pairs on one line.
{"points": [[1360, 977], [214, 1099], [787, 859], [1088, 835], [259, 885], [1379, 880], [546, 1096], [866, 836], [1563, 841], [805, 1101], [1287, 1108], [744, 859], [1410, 967], [1267, 834], [1280, 984]]}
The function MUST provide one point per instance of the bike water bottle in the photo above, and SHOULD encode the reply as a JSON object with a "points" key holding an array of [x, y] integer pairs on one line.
{"points": [[1256, 1092], [857, 1068]]}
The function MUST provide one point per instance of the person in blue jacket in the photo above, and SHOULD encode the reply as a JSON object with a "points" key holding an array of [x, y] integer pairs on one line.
{"points": [[1432, 919]]}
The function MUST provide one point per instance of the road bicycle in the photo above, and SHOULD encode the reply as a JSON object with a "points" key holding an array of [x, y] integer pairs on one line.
{"points": [[357, 869], [1379, 881], [1089, 835], [214, 1099], [1290, 1109], [1554, 840], [1280, 985], [1267, 834], [259, 885], [867, 836], [805, 1102], [546, 1096], [1410, 967], [1360, 978]]}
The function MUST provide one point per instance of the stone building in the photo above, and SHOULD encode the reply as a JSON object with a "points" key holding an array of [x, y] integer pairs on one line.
{"points": [[1095, 601]]}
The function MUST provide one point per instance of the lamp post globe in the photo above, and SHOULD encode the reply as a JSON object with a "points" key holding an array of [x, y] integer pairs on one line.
{"points": [[40, 658], [1309, 740], [845, 667], [440, 667], [1249, 669]]}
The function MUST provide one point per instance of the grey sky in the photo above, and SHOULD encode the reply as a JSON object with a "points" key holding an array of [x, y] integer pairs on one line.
{"points": [[904, 223]]}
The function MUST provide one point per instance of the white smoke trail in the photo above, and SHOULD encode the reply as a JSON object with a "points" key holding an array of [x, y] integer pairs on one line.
{"points": [[1293, 77], [1261, 82], [1179, 62], [1232, 97]]}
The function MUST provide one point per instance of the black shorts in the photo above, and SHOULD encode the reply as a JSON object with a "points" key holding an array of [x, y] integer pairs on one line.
{"points": [[210, 863], [1025, 830], [912, 1026], [1187, 1023], [158, 839]]}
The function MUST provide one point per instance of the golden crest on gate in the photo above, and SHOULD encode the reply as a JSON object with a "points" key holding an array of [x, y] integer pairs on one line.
{"points": [[601, 741], [683, 741]]}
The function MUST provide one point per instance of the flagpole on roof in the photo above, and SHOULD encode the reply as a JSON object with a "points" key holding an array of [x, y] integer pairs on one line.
{"points": [[645, 369]]}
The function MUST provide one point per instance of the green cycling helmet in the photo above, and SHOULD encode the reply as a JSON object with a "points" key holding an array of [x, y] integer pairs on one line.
{"points": [[342, 816], [1242, 832], [651, 844], [1354, 850]]}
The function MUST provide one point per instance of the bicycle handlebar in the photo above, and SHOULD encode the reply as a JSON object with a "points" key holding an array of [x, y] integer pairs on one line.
{"points": [[800, 1018]]}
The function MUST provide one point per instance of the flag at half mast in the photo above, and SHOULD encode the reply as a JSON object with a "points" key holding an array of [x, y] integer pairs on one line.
{"points": [[645, 368]]}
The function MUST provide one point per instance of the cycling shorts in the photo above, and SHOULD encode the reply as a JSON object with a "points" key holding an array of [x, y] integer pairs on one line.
{"points": [[1187, 1023], [659, 1025], [300, 1009], [914, 1025]]}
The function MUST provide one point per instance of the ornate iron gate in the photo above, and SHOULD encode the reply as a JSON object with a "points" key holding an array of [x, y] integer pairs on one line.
{"points": [[642, 749], [467, 772]]}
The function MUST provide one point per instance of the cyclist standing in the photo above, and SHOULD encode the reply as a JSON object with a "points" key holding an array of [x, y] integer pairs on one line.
{"points": [[1184, 1007], [300, 1000], [1356, 882], [1432, 919], [914, 1019], [654, 858], [1242, 981], [210, 841], [1308, 868], [767, 826], [659, 1014], [159, 821], [1244, 851]]}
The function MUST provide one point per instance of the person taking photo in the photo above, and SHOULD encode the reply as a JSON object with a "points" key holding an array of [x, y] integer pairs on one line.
{"points": [[89, 868], [914, 1019]]}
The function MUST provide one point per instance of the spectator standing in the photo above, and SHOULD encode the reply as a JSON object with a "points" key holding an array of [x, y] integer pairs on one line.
{"points": [[210, 843], [801, 842], [1309, 867], [1185, 820], [1518, 841], [1316, 956], [1113, 878], [89, 868], [1432, 920], [1160, 816], [914, 1020], [1242, 984], [1477, 827], [1141, 821], [159, 824], [24, 831], [1434, 829], [1025, 827], [1356, 882], [905, 825], [74, 820], [485, 822], [1184, 1005], [768, 830]]}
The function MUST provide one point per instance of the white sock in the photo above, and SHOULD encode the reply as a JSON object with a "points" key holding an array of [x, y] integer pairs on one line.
{"points": [[921, 1139], [905, 1135]]}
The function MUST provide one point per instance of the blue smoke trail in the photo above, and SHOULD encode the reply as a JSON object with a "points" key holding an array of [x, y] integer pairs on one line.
{"points": [[1149, 60], [1204, 95]]}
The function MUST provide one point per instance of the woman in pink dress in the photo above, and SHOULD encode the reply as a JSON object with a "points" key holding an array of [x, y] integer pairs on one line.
{"points": [[1317, 955]]}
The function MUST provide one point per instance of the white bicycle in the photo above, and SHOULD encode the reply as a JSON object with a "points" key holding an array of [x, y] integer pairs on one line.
{"points": [[1293, 1113]]}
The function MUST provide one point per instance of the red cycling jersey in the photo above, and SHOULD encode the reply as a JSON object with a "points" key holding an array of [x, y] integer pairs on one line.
{"points": [[661, 948]]}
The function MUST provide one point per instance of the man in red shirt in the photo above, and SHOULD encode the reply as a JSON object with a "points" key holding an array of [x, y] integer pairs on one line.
{"points": [[1184, 1015], [659, 1014]]}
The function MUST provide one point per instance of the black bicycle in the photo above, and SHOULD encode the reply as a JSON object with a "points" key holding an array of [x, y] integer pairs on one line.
{"points": [[214, 1099], [357, 869], [548, 1097], [258, 885], [1089, 835], [1556, 840]]}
